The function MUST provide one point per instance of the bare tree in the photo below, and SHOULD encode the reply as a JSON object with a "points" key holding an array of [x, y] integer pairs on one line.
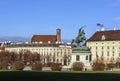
{"points": [[98, 65], [118, 62]]}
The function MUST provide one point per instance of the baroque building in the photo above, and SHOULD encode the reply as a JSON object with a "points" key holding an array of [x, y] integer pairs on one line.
{"points": [[47, 38], [50, 48], [58, 53], [105, 45]]}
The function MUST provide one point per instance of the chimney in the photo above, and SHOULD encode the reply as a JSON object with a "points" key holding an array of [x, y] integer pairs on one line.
{"points": [[58, 34]]}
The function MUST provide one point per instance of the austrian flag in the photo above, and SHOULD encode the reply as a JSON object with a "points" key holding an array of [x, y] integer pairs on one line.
{"points": [[101, 25]]}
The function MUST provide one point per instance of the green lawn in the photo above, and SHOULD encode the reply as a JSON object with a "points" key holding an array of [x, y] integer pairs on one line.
{"points": [[58, 76]]}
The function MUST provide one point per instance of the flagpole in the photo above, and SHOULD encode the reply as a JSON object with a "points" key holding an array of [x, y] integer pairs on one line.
{"points": [[101, 26]]}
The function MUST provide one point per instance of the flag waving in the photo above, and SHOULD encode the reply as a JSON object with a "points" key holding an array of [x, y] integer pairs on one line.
{"points": [[101, 25]]}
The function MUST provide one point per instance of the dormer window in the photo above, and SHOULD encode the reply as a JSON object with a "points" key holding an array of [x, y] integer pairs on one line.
{"points": [[49, 42], [41, 42], [103, 37]]}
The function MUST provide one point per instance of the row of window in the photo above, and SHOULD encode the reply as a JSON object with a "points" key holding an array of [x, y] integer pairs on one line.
{"points": [[108, 53], [108, 47], [110, 59], [113, 59], [63, 61], [53, 55], [111, 43], [46, 53], [42, 50], [78, 58]]}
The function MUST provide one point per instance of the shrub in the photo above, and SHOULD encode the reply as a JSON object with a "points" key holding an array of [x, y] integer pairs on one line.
{"points": [[98, 66], [110, 66], [4, 65], [117, 64], [36, 66], [56, 66], [77, 66], [17, 65], [49, 64]]}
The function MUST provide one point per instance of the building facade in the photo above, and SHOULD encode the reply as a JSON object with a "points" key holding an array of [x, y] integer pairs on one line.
{"points": [[83, 55], [105, 45], [51, 39], [58, 53], [49, 47]]}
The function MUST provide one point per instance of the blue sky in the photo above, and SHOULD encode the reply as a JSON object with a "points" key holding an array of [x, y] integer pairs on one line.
{"points": [[28, 17]]}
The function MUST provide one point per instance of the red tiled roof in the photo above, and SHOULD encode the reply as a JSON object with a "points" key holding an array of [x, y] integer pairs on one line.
{"points": [[44, 38], [109, 35]]}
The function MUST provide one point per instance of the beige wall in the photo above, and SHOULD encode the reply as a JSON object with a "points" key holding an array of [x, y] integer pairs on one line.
{"points": [[54, 52], [108, 50]]}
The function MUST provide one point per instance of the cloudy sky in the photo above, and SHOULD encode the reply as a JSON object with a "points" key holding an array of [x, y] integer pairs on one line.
{"points": [[28, 17]]}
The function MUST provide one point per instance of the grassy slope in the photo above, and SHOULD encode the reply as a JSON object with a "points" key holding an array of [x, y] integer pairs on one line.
{"points": [[58, 76]]}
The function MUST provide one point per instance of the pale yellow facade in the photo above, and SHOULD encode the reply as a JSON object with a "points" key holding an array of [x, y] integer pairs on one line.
{"points": [[57, 54], [109, 51]]}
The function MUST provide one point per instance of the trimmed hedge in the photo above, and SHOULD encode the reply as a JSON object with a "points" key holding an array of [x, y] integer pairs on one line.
{"points": [[77, 66], [36, 66], [17, 65]]}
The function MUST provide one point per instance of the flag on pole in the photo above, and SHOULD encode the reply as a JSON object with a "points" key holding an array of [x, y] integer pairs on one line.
{"points": [[101, 25]]}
